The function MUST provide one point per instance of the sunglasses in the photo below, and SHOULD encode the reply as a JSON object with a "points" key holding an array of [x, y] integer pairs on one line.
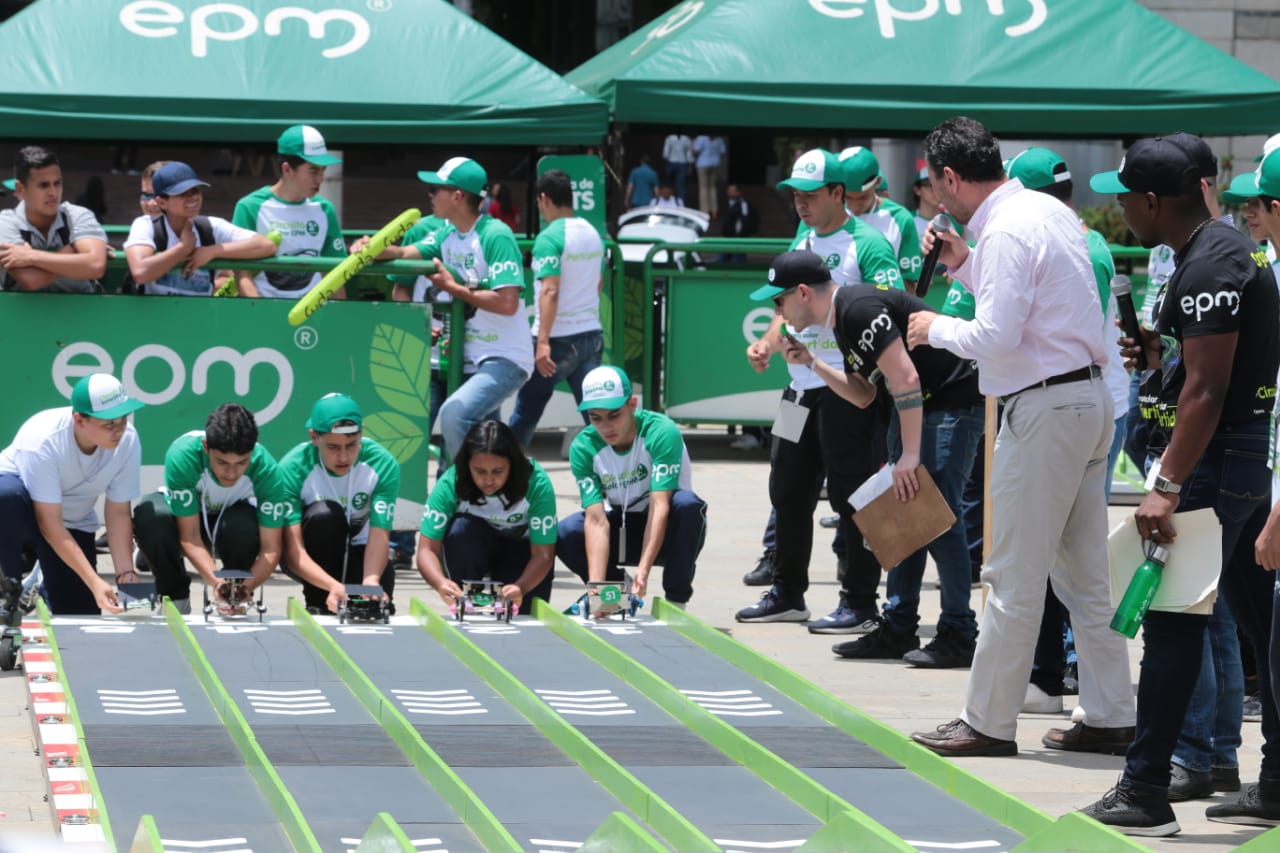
{"points": [[777, 300], [146, 196]]}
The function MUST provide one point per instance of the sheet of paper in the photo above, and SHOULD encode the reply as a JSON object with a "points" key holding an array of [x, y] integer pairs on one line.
{"points": [[1190, 578], [875, 486]]}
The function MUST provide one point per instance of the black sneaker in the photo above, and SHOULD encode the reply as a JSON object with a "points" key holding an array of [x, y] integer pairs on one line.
{"points": [[762, 574], [772, 607], [1255, 807], [1126, 810], [1253, 708], [880, 644], [1187, 784], [1225, 778], [948, 650]]}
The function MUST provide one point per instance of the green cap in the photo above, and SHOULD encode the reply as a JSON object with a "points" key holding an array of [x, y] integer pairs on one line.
{"points": [[306, 142], [100, 395], [1272, 143], [814, 170], [922, 175], [461, 172], [1038, 168], [605, 387], [1264, 181], [336, 413], [883, 186], [11, 184], [861, 169]]}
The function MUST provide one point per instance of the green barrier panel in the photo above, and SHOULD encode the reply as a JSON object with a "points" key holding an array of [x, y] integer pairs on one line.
{"points": [[620, 833], [99, 811], [477, 816], [629, 790], [980, 794], [1266, 842], [147, 838], [385, 836], [844, 832], [264, 774], [1073, 831], [781, 775]]}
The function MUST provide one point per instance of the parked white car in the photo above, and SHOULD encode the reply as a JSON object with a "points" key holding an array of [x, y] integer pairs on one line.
{"points": [[653, 224]]}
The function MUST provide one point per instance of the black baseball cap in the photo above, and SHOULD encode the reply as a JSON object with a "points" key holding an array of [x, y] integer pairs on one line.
{"points": [[792, 269], [1164, 165]]}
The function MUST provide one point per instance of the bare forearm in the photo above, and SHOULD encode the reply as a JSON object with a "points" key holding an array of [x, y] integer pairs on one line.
{"points": [[655, 531], [376, 552], [597, 535], [850, 387]]}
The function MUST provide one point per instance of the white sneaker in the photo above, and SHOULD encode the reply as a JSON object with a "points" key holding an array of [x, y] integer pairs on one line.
{"points": [[1039, 702], [745, 442], [1077, 716]]}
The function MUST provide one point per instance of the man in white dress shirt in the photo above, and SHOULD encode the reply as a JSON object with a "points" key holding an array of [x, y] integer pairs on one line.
{"points": [[1037, 337]]}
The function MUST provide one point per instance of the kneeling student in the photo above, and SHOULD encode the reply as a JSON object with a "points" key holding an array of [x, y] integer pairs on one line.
{"points": [[493, 514]]}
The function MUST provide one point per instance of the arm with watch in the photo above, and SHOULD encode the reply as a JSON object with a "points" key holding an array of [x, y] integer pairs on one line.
{"points": [[1207, 360]]}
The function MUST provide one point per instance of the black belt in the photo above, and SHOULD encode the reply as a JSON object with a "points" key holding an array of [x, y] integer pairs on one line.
{"points": [[1090, 372]]}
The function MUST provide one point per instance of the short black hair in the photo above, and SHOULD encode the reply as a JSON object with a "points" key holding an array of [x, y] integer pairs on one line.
{"points": [[555, 185], [837, 185], [30, 158], [231, 428], [967, 147], [490, 436], [293, 160]]}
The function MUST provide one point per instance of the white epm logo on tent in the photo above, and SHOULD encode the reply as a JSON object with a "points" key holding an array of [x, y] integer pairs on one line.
{"points": [[157, 19], [888, 13]]}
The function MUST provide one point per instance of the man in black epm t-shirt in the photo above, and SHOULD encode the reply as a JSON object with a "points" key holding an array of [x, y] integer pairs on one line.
{"points": [[1206, 401], [938, 422]]}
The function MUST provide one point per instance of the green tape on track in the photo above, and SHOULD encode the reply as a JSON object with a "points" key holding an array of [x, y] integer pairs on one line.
{"points": [[1073, 831], [474, 813], [619, 832], [269, 782], [147, 838], [384, 835], [965, 786], [86, 763], [802, 789], [1267, 842], [630, 791]]}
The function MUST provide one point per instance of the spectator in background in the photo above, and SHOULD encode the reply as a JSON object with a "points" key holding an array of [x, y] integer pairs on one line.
{"points": [[741, 220], [677, 159], [147, 194], [667, 197], [641, 184], [499, 205], [708, 151], [46, 243]]}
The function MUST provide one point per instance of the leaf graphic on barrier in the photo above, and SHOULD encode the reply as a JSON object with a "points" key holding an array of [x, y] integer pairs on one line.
{"points": [[400, 367], [398, 434]]}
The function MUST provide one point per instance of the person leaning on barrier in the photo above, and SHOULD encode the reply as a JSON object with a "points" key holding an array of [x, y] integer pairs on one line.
{"points": [[220, 509], [48, 244], [306, 221], [491, 515], [636, 486], [568, 272], [51, 476], [166, 253], [340, 489]]}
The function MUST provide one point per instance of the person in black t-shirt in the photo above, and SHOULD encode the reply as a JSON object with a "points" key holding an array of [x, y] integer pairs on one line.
{"points": [[1206, 400], [938, 422]]}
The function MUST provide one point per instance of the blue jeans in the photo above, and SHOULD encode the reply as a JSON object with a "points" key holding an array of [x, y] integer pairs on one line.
{"points": [[1211, 731], [948, 443], [575, 356], [495, 380], [686, 533], [64, 590], [1233, 478]]}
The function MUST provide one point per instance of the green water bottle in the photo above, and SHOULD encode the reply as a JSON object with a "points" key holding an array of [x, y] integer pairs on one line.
{"points": [[1142, 589]]}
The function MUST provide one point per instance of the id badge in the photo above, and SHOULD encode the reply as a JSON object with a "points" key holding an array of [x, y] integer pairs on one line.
{"points": [[789, 424]]}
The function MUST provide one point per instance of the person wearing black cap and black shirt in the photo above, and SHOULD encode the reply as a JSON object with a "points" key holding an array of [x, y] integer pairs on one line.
{"points": [[1207, 411], [938, 423]]}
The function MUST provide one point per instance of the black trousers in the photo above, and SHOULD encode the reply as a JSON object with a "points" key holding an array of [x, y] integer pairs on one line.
{"points": [[327, 538]]}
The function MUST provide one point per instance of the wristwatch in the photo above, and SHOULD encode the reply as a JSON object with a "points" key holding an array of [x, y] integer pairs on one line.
{"points": [[1164, 484]]}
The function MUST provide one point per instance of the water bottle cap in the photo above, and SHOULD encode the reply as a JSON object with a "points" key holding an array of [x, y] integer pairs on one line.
{"points": [[1159, 554]]}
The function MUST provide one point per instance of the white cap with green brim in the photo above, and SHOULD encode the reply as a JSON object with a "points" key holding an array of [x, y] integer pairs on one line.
{"points": [[100, 395], [305, 141], [1264, 181], [861, 169], [461, 172], [814, 170], [605, 387]]}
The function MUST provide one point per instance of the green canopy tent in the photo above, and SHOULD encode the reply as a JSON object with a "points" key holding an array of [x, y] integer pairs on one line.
{"points": [[366, 71], [1025, 67]]}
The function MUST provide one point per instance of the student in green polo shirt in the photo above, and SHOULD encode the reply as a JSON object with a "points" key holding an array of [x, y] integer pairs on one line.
{"points": [[307, 222], [895, 222], [220, 508], [491, 515]]}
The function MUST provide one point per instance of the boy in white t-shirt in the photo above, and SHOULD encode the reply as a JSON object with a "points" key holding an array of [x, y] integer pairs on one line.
{"points": [[166, 254], [61, 461]]}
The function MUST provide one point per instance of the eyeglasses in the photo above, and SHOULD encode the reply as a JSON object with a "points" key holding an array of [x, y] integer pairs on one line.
{"points": [[777, 300], [146, 196]]}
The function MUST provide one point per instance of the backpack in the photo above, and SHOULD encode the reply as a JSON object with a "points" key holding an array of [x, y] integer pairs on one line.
{"points": [[160, 235], [63, 232]]}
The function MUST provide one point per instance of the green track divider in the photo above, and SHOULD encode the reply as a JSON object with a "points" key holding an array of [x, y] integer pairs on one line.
{"points": [[965, 786], [1073, 831], [474, 813], [269, 782], [384, 835], [618, 833], [1266, 842], [800, 788], [616, 779], [85, 762], [147, 838], [843, 833]]}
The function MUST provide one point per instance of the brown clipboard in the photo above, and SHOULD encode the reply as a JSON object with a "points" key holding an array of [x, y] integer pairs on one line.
{"points": [[895, 530]]}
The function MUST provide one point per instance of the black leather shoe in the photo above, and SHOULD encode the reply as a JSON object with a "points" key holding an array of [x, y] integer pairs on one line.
{"points": [[1185, 784], [762, 574], [1082, 738]]}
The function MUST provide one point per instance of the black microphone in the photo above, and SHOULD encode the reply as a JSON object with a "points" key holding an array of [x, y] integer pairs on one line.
{"points": [[1123, 290], [939, 223]]}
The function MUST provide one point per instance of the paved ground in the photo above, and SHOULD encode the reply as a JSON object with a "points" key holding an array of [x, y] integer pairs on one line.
{"points": [[735, 486]]}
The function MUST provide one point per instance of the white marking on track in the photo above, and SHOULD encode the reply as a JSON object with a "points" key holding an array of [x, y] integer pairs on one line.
{"points": [[732, 703], [440, 702], [204, 845], [757, 845], [590, 703], [289, 702], [955, 845], [141, 703], [560, 846]]}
